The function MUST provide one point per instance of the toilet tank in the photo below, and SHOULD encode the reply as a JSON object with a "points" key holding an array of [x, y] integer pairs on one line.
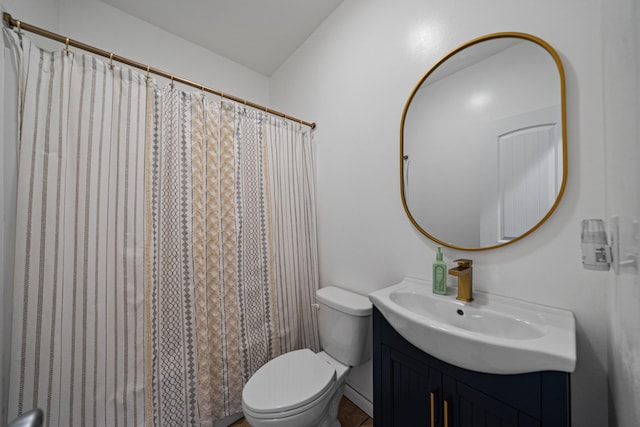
{"points": [[344, 323]]}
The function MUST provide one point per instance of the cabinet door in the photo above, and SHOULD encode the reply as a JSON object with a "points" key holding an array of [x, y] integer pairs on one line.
{"points": [[471, 408], [411, 391]]}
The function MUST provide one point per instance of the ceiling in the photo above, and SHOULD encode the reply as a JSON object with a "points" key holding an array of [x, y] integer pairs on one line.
{"points": [[259, 34]]}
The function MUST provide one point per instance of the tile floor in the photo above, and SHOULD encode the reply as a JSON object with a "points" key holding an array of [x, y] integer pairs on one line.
{"points": [[349, 415]]}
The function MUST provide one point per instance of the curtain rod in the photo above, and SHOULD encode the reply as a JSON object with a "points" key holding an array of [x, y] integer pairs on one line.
{"points": [[11, 22]]}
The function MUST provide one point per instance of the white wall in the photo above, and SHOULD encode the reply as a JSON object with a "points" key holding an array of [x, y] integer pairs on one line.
{"points": [[622, 139], [353, 76], [43, 13], [103, 26]]}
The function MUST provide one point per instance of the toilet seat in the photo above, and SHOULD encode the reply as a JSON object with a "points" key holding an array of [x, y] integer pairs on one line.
{"points": [[289, 384]]}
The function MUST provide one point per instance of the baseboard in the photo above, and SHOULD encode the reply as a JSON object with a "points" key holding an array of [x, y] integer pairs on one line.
{"points": [[359, 400]]}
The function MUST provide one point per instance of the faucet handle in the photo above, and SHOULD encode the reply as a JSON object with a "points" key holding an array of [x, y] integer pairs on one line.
{"points": [[463, 263]]}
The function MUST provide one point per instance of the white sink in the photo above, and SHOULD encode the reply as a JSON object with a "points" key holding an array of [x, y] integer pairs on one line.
{"points": [[491, 334]]}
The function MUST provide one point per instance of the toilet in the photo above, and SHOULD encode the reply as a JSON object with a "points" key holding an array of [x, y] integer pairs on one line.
{"points": [[302, 388]]}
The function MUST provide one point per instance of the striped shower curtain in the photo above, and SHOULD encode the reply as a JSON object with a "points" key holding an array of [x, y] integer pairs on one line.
{"points": [[165, 246]]}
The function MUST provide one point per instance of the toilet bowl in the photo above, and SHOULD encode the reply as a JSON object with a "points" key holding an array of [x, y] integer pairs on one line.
{"points": [[302, 388], [299, 388]]}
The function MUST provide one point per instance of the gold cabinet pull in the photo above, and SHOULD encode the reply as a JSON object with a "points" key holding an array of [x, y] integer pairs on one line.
{"points": [[446, 413], [432, 406]]}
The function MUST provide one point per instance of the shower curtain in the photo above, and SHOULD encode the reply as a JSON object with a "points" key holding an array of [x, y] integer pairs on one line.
{"points": [[165, 246]]}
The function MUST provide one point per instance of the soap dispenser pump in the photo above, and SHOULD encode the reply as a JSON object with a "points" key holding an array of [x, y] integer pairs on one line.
{"points": [[439, 280]]}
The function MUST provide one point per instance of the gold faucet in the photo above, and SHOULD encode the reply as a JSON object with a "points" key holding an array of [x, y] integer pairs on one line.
{"points": [[465, 282]]}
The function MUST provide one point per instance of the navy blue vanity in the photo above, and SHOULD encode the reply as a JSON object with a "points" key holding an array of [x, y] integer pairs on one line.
{"points": [[412, 388]]}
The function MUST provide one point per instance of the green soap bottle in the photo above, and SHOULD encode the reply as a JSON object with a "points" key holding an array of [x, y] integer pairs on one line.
{"points": [[439, 274]]}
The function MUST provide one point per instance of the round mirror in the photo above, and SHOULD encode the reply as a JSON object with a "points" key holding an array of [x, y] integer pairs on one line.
{"points": [[483, 154]]}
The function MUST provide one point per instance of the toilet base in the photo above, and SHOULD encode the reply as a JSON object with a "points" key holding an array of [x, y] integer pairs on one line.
{"points": [[331, 418]]}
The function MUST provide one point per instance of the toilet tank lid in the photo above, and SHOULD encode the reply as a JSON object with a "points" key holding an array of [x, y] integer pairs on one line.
{"points": [[345, 301]]}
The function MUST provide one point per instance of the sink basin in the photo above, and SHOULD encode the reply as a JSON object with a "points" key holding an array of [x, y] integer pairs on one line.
{"points": [[491, 334]]}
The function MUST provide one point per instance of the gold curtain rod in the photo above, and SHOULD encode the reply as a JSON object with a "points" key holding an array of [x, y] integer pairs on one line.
{"points": [[8, 19]]}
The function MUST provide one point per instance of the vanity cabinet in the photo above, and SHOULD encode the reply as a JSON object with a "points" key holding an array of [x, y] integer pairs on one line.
{"points": [[412, 388]]}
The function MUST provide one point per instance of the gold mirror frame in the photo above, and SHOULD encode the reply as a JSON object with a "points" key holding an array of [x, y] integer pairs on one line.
{"points": [[475, 41]]}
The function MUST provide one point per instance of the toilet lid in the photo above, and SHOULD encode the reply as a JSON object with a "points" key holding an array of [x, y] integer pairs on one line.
{"points": [[288, 382]]}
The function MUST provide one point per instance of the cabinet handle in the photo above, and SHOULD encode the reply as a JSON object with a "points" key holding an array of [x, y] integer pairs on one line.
{"points": [[446, 413], [432, 404]]}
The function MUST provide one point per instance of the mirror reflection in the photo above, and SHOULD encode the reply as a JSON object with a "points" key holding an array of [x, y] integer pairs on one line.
{"points": [[483, 149]]}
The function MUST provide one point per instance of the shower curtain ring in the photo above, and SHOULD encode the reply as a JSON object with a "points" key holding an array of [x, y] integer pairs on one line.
{"points": [[18, 24], [148, 68], [66, 46], [172, 85], [111, 61]]}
